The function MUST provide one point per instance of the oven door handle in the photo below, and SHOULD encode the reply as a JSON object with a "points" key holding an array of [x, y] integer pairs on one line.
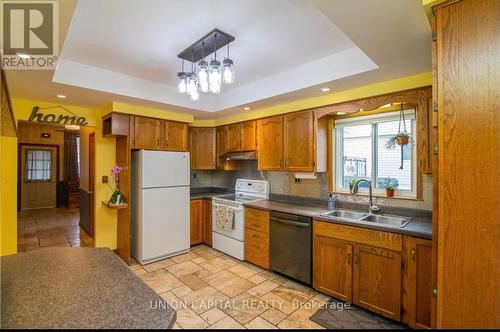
{"points": [[230, 206], [289, 222]]}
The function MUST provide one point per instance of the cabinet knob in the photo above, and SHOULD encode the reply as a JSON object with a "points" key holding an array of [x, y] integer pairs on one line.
{"points": [[413, 254], [356, 259]]}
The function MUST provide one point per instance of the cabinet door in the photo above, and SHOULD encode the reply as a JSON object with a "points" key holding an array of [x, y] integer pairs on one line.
{"points": [[419, 281], [207, 222], [377, 280], [257, 248], [203, 148], [196, 223], [234, 137], [332, 267], [176, 136], [270, 144], [227, 165], [299, 141], [248, 136], [148, 133]]}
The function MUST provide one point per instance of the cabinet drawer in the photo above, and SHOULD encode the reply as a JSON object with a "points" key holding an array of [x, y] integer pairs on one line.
{"points": [[257, 220], [257, 248], [372, 237]]}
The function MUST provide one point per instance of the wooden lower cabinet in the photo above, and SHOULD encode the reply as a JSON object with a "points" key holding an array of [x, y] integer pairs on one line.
{"points": [[196, 224], [333, 267], [207, 222], [377, 280], [418, 281], [257, 237], [201, 221], [347, 268]]}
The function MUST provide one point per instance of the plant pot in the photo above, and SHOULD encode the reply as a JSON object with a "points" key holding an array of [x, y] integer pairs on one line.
{"points": [[402, 140], [389, 192]]}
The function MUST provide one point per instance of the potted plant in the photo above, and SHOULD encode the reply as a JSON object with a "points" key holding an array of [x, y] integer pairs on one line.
{"points": [[402, 138], [352, 182], [390, 185], [117, 197]]}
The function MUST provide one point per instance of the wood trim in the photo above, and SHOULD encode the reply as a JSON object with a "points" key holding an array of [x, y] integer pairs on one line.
{"points": [[367, 236], [8, 125], [370, 104]]}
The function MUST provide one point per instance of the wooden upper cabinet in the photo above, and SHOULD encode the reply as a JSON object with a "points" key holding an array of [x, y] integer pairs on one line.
{"points": [[233, 137], [299, 142], [221, 133], [148, 133], [176, 136], [418, 282], [377, 280], [203, 148], [270, 143], [248, 134], [332, 265], [241, 136]]}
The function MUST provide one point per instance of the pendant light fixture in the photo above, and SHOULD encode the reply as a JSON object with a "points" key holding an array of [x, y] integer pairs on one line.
{"points": [[228, 72], [203, 72], [205, 76], [214, 75]]}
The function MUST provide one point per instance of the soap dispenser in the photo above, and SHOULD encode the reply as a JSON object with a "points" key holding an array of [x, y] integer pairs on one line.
{"points": [[332, 202]]}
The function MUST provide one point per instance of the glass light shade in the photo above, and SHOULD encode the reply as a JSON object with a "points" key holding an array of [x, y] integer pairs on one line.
{"points": [[203, 76], [195, 95], [228, 71], [192, 84], [182, 82], [214, 76]]}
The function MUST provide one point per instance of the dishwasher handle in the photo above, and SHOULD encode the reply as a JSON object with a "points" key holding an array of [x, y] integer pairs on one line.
{"points": [[289, 222]]}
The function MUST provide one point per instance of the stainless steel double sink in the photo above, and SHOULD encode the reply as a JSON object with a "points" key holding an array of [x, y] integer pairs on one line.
{"points": [[355, 216]]}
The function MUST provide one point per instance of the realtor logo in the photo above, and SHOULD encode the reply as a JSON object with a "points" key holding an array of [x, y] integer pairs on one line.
{"points": [[29, 34]]}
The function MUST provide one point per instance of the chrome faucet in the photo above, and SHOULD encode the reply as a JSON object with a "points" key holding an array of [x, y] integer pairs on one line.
{"points": [[354, 190]]}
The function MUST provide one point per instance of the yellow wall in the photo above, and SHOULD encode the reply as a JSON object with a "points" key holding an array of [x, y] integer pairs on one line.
{"points": [[8, 196], [105, 231], [405, 83]]}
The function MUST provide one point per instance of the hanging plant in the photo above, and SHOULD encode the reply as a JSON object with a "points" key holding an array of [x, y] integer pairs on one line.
{"points": [[402, 138]]}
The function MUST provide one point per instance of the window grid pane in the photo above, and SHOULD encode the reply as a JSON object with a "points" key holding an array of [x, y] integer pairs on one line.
{"points": [[38, 165], [361, 154]]}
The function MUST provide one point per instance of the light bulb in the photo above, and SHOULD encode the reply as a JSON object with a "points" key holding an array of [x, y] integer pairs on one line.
{"points": [[228, 72], [182, 84], [214, 76], [195, 95], [203, 75]]}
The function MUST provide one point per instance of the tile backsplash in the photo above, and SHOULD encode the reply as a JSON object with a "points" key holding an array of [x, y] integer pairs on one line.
{"points": [[283, 183]]}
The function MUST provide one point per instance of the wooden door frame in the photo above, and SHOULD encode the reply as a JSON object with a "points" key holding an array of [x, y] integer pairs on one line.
{"points": [[92, 186], [20, 167]]}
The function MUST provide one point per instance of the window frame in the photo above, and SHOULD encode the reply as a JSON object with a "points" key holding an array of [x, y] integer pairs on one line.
{"points": [[27, 169], [372, 119]]}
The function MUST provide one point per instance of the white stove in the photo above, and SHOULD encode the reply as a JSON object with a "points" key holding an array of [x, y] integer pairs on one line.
{"points": [[228, 216]]}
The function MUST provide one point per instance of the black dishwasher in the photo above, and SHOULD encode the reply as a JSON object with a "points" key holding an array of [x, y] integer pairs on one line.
{"points": [[290, 246]]}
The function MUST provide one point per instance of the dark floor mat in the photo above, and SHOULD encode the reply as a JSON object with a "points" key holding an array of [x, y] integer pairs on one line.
{"points": [[337, 315]]}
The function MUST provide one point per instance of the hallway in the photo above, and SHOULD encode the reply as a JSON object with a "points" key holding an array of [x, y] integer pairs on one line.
{"points": [[57, 227]]}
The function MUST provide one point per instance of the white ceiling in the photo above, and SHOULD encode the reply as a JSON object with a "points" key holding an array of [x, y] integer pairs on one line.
{"points": [[126, 50]]}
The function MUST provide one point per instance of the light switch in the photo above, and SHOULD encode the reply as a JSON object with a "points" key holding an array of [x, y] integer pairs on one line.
{"points": [[105, 179]]}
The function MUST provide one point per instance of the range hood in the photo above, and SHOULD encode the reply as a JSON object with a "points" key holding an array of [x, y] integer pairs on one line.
{"points": [[248, 155]]}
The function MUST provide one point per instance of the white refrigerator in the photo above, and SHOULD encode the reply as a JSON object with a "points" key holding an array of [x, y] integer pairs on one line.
{"points": [[159, 204]]}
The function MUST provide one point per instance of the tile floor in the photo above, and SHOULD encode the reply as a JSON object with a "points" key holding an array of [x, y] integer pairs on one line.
{"points": [[209, 289], [56, 227]]}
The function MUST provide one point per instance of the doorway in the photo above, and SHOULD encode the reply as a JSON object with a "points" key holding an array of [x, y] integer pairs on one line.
{"points": [[51, 167]]}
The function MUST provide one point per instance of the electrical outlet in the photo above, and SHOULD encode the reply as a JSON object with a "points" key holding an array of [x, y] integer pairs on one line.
{"points": [[105, 179]]}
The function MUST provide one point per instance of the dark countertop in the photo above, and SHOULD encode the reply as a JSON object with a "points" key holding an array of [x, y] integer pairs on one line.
{"points": [[208, 192], [84, 288], [419, 227]]}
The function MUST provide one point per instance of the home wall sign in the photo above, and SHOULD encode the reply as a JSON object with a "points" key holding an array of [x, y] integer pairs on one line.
{"points": [[71, 119]]}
